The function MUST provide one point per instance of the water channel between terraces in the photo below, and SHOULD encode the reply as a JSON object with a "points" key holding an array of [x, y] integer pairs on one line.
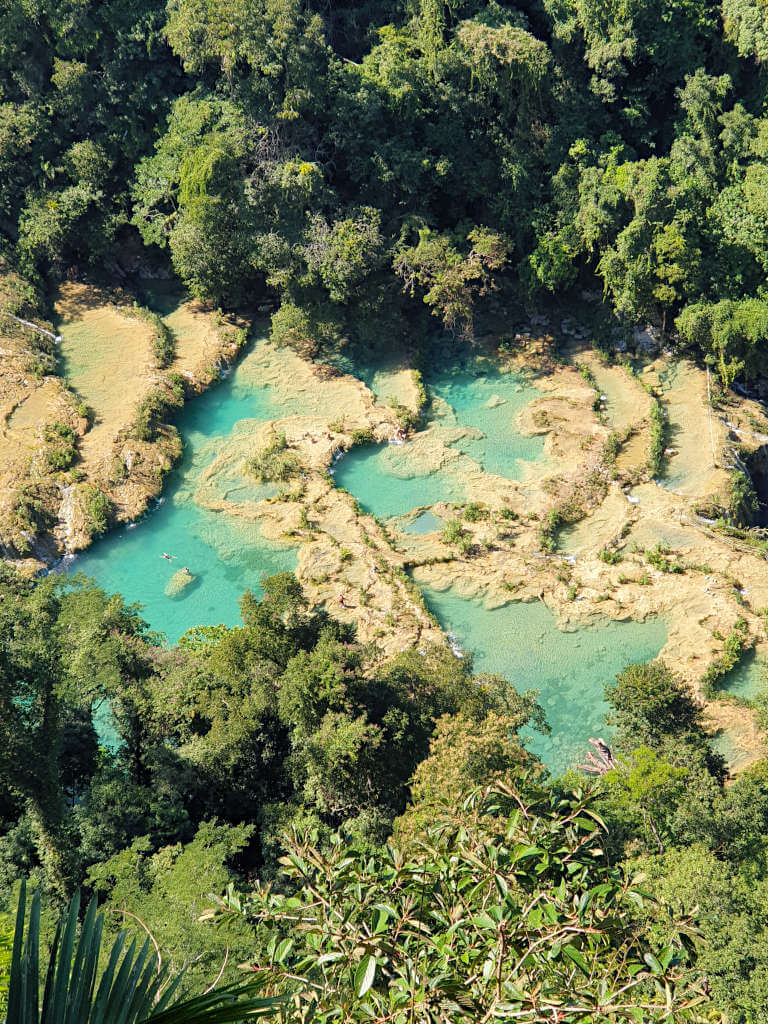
{"points": [[478, 440]]}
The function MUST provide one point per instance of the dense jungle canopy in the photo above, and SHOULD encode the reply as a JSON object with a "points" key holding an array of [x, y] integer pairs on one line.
{"points": [[353, 163], [367, 171]]}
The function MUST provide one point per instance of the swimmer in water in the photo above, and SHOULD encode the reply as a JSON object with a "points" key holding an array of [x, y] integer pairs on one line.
{"points": [[186, 570], [168, 557]]}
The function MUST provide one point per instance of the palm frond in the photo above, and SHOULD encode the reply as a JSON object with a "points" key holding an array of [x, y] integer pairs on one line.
{"points": [[131, 989]]}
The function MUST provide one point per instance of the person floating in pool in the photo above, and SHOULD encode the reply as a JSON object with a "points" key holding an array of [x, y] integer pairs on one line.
{"points": [[168, 557]]}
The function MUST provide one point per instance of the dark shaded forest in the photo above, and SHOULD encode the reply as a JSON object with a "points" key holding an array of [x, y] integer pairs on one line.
{"points": [[359, 167]]}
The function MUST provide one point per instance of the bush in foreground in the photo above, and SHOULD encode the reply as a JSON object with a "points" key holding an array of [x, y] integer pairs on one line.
{"points": [[507, 910]]}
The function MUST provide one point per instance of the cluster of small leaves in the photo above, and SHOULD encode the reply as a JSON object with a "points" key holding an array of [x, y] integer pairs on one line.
{"points": [[507, 910], [275, 463], [474, 512], [613, 445], [364, 435], [610, 556], [163, 346], [30, 515], [61, 445], [454, 533], [423, 397], [659, 432], [657, 557], [6, 946], [737, 641], [548, 531], [156, 405], [98, 509], [743, 503]]}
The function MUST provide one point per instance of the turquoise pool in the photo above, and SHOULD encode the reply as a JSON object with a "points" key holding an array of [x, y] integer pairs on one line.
{"points": [[474, 415], [522, 642], [749, 679], [225, 555], [424, 523], [386, 480]]}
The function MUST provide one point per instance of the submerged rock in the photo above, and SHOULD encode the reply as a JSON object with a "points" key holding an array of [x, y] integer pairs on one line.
{"points": [[178, 583]]}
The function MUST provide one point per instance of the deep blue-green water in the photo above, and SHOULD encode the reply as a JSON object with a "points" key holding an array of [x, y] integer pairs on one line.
{"points": [[522, 642], [224, 554]]}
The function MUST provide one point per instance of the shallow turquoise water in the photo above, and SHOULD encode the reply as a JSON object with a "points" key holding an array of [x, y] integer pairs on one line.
{"points": [[490, 401], [425, 523], [226, 555], [382, 477], [748, 680], [378, 478], [521, 641]]}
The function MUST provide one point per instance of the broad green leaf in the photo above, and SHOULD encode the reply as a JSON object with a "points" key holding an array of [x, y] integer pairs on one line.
{"points": [[364, 975]]}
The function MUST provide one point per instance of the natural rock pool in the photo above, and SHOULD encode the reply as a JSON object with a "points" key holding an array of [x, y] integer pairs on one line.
{"points": [[206, 523], [747, 679], [225, 554], [521, 641], [472, 423]]}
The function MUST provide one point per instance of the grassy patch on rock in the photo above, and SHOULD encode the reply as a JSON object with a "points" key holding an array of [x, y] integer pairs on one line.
{"points": [[275, 463]]}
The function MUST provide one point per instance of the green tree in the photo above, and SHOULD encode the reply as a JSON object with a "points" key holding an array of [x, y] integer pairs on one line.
{"points": [[664, 39], [729, 909], [344, 254], [746, 26], [64, 646], [164, 893], [449, 280], [512, 909], [464, 754], [733, 332], [649, 704], [31, 717], [274, 50]]}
